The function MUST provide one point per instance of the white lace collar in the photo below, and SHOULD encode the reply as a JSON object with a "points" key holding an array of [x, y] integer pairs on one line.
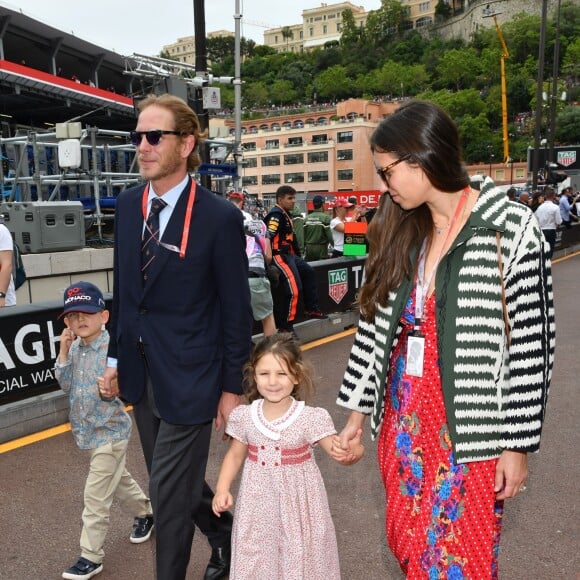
{"points": [[273, 429]]}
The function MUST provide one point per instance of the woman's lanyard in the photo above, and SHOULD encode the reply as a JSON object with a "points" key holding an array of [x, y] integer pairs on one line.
{"points": [[186, 219], [415, 340], [423, 284]]}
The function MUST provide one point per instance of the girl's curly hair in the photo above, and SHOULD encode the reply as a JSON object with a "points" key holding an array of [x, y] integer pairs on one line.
{"points": [[284, 347]]}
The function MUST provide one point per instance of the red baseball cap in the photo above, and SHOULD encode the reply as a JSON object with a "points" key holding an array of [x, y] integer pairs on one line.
{"points": [[341, 202]]}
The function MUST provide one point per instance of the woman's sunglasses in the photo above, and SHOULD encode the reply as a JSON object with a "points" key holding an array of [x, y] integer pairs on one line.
{"points": [[153, 137], [383, 172]]}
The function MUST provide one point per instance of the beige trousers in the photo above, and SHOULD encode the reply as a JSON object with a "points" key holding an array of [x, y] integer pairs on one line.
{"points": [[108, 478]]}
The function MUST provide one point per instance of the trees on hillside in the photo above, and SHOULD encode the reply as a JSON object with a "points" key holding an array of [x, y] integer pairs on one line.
{"points": [[385, 60]]}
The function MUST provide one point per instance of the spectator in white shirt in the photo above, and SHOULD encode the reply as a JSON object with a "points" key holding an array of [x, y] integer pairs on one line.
{"points": [[566, 203], [549, 218], [7, 291]]}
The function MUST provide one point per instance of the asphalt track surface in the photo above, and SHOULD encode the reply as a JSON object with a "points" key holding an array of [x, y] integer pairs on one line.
{"points": [[41, 486]]}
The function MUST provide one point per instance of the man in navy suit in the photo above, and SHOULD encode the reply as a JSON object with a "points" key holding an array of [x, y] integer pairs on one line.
{"points": [[180, 329]]}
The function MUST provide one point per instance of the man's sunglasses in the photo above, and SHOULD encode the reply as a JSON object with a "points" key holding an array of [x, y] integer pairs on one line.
{"points": [[153, 137], [383, 172]]}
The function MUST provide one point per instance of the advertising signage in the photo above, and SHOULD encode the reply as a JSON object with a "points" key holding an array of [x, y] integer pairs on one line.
{"points": [[30, 334]]}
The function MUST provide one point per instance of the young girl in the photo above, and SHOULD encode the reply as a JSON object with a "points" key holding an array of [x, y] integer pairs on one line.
{"points": [[282, 523]]}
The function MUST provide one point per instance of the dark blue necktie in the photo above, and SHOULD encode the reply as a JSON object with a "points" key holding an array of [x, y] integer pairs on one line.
{"points": [[151, 236]]}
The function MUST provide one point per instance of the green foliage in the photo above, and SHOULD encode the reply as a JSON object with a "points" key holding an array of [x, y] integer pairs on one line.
{"points": [[334, 83], [350, 33], [571, 60], [282, 92], [385, 59], [568, 126], [442, 10], [458, 68]]}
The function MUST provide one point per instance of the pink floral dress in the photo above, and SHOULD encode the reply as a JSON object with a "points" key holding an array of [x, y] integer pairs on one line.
{"points": [[443, 521], [283, 529]]}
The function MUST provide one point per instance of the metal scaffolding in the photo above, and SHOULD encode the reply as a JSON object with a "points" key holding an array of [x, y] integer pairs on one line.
{"points": [[31, 172]]}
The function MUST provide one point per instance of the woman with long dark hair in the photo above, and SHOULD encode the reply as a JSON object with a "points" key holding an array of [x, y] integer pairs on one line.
{"points": [[454, 351]]}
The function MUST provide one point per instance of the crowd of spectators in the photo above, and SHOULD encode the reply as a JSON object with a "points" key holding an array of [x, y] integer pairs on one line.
{"points": [[289, 243], [551, 210]]}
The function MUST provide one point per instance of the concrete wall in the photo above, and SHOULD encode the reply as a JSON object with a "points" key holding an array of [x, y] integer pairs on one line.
{"points": [[472, 19], [49, 274]]}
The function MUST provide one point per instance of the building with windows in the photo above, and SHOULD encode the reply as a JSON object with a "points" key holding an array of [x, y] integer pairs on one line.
{"points": [[319, 26], [325, 149], [183, 49], [324, 23]]}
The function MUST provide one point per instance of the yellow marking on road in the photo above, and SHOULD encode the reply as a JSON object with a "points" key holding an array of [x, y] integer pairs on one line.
{"points": [[37, 437], [328, 339], [59, 429], [561, 259]]}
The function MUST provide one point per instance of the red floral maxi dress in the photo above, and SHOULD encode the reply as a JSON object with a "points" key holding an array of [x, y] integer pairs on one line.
{"points": [[443, 521]]}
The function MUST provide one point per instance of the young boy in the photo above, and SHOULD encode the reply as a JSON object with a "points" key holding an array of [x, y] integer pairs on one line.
{"points": [[100, 426]]}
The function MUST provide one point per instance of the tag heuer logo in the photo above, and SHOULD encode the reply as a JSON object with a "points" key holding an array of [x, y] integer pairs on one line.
{"points": [[338, 284], [566, 158]]}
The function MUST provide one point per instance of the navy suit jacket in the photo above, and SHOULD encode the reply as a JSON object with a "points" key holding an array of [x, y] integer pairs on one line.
{"points": [[192, 317]]}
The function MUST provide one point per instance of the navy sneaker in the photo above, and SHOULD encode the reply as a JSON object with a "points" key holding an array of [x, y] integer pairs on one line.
{"points": [[142, 528], [83, 570]]}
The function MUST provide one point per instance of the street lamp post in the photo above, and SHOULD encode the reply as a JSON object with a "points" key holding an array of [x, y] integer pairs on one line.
{"points": [[238, 152], [554, 85], [542, 48], [201, 71]]}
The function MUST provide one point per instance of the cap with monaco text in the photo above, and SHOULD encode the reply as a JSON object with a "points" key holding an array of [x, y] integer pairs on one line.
{"points": [[83, 297]]}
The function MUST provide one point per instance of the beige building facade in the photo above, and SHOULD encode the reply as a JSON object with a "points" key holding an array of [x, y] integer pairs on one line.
{"points": [[321, 150], [183, 49], [324, 23], [325, 150]]}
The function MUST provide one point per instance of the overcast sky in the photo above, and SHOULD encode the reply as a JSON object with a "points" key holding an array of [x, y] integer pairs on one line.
{"points": [[139, 26]]}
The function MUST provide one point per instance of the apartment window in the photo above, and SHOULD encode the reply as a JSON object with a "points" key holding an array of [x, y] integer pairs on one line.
{"points": [[293, 158], [422, 22], [251, 162], [345, 174], [311, 31], [318, 157], [273, 144], [275, 39], [271, 161], [250, 180], [424, 7], [318, 176], [324, 29], [271, 179], [294, 178], [295, 141], [344, 137], [320, 138], [344, 155], [250, 146], [301, 35], [338, 27]]}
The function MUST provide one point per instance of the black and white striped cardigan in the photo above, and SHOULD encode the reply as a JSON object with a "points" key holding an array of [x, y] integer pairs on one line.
{"points": [[495, 396]]}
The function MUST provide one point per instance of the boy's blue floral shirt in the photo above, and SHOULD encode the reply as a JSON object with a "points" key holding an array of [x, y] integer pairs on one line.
{"points": [[94, 422]]}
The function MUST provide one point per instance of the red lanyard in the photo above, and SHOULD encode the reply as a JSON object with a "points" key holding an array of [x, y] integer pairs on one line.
{"points": [[422, 285], [186, 219]]}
